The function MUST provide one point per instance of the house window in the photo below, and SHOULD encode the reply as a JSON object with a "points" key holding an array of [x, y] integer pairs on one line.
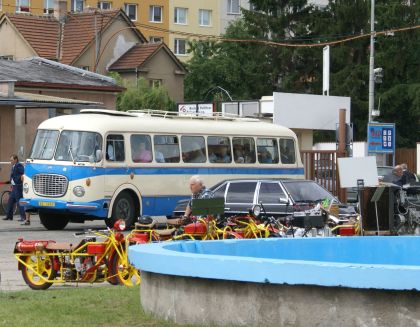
{"points": [[77, 5], [234, 7], [48, 7], [155, 83], [180, 47], [22, 5], [10, 57], [204, 17], [155, 14], [131, 11], [85, 68], [181, 15], [155, 39], [104, 5]]}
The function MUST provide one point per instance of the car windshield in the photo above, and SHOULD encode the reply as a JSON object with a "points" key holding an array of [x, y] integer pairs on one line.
{"points": [[307, 191], [44, 144], [78, 146]]}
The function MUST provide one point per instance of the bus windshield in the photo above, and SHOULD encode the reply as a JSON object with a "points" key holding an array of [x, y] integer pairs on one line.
{"points": [[78, 146], [44, 144]]}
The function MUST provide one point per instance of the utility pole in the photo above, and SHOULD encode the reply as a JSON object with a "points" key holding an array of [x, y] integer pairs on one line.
{"points": [[372, 61]]}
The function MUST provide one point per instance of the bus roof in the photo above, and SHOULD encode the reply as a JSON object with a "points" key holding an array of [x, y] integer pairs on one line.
{"points": [[106, 121]]}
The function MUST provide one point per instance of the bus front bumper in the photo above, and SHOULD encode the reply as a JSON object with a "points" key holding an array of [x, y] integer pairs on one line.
{"points": [[91, 208]]}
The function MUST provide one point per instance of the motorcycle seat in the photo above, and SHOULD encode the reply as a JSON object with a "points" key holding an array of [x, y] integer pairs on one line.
{"points": [[165, 232]]}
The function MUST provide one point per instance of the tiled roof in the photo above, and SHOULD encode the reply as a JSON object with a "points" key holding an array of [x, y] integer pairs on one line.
{"points": [[135, 56], [41, 32], [79, 31]]}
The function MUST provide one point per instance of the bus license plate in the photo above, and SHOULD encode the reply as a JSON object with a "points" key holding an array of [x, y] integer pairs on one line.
{"points": [[46, 204]]}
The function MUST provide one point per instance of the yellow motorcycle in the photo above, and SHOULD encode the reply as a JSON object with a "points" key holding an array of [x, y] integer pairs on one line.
{"points": [[45, 262]]}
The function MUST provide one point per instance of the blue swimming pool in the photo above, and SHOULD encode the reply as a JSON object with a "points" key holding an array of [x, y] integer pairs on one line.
{"points": [[383, 262]]}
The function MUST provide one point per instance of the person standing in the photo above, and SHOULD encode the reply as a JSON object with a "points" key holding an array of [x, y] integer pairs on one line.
{"points": [[16, 179], [408, 177]]}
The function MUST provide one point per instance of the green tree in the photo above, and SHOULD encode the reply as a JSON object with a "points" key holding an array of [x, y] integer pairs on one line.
{"points": [[251, 70], [248, 70], [142, 96]]}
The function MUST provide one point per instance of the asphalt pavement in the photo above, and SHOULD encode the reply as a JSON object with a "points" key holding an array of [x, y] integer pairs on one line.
{"points": [[11, 230]]}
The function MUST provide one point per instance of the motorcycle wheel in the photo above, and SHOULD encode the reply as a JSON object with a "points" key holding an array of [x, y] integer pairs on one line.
{"points": [[124, 273], [41, 265]]}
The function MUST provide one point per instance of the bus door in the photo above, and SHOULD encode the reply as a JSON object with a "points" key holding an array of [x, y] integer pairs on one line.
{"points": [[117, 169]]}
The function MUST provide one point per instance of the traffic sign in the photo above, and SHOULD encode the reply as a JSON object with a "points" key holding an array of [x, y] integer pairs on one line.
{"points": [[381, 138]]}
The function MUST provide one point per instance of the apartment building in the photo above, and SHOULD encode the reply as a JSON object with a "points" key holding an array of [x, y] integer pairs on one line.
{"points": [[189, 20]]}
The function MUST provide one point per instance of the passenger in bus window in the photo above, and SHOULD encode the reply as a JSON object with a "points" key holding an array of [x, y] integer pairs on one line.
{"points": [[249, 156], [159, 156], [110, 152], [287, 155], [195, 155], [143, 153], [221, 155], [238, 154], [264, 156]]}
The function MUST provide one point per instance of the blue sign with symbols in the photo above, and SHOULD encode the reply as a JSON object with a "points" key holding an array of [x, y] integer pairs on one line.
{"points": [[381, 138]]}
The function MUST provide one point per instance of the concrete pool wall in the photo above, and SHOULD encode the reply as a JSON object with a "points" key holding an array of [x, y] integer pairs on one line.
{"points": [[372, 281]]}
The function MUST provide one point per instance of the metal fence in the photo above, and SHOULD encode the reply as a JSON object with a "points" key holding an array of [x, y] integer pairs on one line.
{"points": [[321, 166]]}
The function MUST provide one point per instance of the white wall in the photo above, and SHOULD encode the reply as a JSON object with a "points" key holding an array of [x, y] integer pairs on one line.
{"points": [[308, 111]]}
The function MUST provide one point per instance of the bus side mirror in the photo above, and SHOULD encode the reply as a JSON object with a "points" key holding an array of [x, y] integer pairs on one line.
{"points": [[99, 155]]}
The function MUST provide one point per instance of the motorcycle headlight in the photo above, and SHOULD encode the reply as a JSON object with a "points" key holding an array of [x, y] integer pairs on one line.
{"points": [[256, 210], [119, 225], [26, 187], [79, 191]]}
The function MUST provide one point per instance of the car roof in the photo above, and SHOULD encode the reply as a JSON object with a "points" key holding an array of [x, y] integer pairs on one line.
{"points": [[263, 180]]}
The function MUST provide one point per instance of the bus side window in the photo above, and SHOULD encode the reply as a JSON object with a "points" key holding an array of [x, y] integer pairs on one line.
{"points": [[166, 148], [193, 149], [287, 151], [267, 150], [219, 149], [115, 148], [244, 149]]}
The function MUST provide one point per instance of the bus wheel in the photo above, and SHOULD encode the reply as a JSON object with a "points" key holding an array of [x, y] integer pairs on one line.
{"points": [[53, 222], [123, 209]]}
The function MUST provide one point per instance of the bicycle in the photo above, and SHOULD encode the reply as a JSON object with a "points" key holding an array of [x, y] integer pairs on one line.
{"points": [[4, 199]]}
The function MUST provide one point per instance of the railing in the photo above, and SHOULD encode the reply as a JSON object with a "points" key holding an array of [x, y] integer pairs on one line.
{"points": [[321, 166]]}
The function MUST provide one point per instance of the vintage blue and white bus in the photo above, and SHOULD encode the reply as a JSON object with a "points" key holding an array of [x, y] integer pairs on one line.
{"points": [[103, 164]]}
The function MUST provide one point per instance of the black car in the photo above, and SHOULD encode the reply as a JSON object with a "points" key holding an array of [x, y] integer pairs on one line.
{"points": [[280, 197]]}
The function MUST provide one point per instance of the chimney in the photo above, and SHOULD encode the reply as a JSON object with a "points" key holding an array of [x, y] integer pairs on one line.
{"points": [[7, 87], [60, 10]]}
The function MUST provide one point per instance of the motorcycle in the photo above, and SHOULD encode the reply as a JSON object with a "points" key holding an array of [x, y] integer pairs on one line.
{"points": [[45, 262]]}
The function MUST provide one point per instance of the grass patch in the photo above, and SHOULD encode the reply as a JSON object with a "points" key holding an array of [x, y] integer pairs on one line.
{"points": [[74, 306]]}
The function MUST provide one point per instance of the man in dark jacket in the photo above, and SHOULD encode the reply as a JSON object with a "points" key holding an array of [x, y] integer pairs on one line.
{"points": [[16, 179], [408, 176]]}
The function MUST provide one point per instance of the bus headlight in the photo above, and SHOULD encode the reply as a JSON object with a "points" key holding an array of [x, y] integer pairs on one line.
{"points": [[79, 191], [26, 187]]}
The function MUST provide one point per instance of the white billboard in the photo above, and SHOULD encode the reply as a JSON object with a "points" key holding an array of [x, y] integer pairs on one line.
{"points": [[308, 111]]}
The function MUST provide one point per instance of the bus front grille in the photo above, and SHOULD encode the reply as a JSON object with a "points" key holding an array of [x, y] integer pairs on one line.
{"points": [[50, 185]]}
